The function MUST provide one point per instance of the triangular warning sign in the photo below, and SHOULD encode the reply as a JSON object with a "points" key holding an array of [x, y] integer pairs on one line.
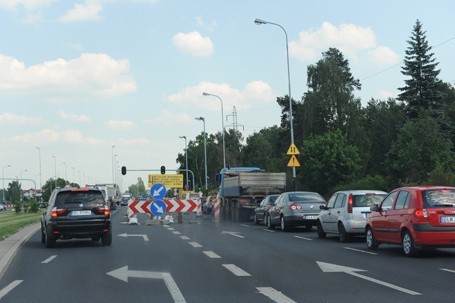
{"points": [[293, 162], [293, 150]]}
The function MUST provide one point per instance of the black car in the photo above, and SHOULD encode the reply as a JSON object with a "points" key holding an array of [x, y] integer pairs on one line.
{"points": [[76, 213], [261, 211]]}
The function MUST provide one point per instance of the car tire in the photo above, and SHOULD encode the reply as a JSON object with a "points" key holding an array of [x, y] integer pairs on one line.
{"points": [[283, 224], [344, 236], [409, 248], [43, 236], [269, 223], [321, 232], [372, 244], [255, 219], [49, 239], [106, 240]]}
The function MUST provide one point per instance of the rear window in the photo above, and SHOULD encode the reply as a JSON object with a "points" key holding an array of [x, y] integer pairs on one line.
{"points": [[91, 198], [272, 199], [306, 197], [367, 200], [438, 198]]}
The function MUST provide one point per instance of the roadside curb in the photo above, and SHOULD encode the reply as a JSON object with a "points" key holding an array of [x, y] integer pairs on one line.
{"points": [[10, 245]]}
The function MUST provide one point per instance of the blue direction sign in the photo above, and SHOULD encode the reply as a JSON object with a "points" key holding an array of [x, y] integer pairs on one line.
{"points": [[158, 207], [158, 191]]}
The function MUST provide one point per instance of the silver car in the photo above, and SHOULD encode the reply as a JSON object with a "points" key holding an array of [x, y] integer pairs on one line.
{"points": [[346, 213], [293, 209]]}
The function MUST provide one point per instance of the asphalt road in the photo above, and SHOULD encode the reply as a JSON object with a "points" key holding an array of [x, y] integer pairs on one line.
{"points": [[223, 262]]}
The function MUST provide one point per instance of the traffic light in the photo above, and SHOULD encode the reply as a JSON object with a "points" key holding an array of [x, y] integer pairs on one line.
{"points": [[123, 170], [163, 170]]}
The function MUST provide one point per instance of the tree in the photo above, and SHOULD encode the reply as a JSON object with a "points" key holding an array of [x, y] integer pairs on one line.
{"points": [[138, 189], [14, 191], [51, 184], [422, 90]]}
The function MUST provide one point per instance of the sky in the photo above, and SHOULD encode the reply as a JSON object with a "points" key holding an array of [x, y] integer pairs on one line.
{"points": [[89, 86]]}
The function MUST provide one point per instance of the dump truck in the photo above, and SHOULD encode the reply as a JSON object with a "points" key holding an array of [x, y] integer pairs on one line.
{"points": [[241, 190]]}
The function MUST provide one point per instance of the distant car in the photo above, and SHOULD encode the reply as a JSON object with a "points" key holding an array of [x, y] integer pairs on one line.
{"points": [[415, 217], [346, 213], [76, 213], [293, 209], [125, 201], [261, 211], [2, 207]]}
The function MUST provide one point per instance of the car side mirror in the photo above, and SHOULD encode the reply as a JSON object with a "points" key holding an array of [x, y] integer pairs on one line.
{"points": [[323, 207], [375, 207]]}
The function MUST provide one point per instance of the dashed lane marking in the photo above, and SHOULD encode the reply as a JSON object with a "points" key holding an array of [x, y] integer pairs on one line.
{"points": [[274, 295], [236, 270], [360, 250], [195, 244], [211, 254], [49, 259], [303, 238], [9, 288]]}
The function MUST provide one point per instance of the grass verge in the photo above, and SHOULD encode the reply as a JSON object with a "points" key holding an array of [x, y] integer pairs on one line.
{"points": [[10, 222]]}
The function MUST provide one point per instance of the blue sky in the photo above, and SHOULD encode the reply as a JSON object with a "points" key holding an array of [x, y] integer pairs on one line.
{"points": [[78, 77]]}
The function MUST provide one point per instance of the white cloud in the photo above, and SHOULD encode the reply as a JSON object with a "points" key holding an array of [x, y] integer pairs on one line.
{"points": [[9, 118], [48, 135], [26, 4], [194, 44], [73, 117], [124, 124], [89, 75], [192, 96], [355, 42], [89, 10], [206, 25]]}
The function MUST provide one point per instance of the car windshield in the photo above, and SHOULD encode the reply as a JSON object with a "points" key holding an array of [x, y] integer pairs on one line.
{"points": [[90, 198], [367, 200], [305, 197], [439, 198]]}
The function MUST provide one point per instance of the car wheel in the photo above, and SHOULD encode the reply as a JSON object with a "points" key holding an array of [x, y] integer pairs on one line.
{"points": [[269, 223], [43, 236], [321, 232], [49, 239], [409, 248], [283, 225], [106, 240], [255, 219], [344, 236], [372, 244]]}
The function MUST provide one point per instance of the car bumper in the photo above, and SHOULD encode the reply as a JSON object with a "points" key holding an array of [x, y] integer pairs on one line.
{"points": [[355, 226], [427, 235], [88, 229], [301, 220]]}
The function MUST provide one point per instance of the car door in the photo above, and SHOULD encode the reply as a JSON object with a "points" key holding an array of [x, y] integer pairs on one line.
{"points": [[275, 210], [335, 212], [397, 215], [380, 222], [325, 217]]}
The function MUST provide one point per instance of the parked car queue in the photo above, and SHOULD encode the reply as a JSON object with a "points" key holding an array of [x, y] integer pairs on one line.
{"points": [[417, 218]]}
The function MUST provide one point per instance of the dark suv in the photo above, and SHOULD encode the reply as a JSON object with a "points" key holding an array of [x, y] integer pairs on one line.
{"points": [[76, 213]]}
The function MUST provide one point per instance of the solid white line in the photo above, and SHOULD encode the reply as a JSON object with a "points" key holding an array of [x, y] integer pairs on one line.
{"points": [[274, 295], [303, 238], [448, 270], [184, 238], [195, 244], [269, 230], [49, 259], [211, 254], [236, 270], [9, 288], [410, 292], [360, 250], [176, 233]]}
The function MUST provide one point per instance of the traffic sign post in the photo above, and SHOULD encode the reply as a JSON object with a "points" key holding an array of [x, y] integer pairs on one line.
{"points": [[158, 208], [292, 151], [158, 191]]}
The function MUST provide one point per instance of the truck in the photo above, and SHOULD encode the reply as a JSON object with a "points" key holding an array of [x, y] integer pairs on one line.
{"points": [[241, 190], [111, 193]]}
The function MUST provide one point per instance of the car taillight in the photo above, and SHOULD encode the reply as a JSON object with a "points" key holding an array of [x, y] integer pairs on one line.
{"points": [[350, 202], [421, 213], [269, 207], [104, 211], [295, 207], [57, 212]]}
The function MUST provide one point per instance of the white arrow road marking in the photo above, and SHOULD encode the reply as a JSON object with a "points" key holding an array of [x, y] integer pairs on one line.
{"points": [[360, 250], [195, 244], [156, 192], [327, 267], [303, 238], [9, 288], [274, 295], [123, 274], [49, 259], [236, 270], [232, 233], [448, 270], [134, 235], [211, 254]]}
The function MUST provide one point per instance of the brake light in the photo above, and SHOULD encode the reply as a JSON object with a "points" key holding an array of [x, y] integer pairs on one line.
{"points": [[104, 211], [57, 212], [421, 213], [295, 207], [350, 202]]}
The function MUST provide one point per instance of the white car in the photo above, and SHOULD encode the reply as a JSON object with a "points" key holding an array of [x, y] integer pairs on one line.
{"points": [[346, 213], [2, 207]]}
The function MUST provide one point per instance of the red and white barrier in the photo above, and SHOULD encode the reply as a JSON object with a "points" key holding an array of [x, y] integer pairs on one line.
{"points": [[177, 206]]}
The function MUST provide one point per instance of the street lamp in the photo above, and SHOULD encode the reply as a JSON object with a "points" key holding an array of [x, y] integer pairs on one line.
{"points": [[186, 161], [3, 182], [64, 163], [205, 153], [55, 167], [39, 156], [260, 22], [112, 163], [222, 125]]}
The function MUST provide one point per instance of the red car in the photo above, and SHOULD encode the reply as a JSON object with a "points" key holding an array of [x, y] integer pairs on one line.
{"points": [[415, 217]]}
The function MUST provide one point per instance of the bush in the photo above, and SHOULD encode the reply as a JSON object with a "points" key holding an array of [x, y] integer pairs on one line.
{"points": [[17, 207], [367, 182], [33, 206]]}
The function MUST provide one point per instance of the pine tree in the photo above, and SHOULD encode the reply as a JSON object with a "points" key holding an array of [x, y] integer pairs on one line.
{"points": [[422, 90]]}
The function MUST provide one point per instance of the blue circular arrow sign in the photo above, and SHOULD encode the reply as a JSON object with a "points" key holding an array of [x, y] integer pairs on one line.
{"points": [[158, 207], [158, 191]]}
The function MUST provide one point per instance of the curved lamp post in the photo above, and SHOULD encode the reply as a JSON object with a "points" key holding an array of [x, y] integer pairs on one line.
{"points": [[222, 125]]}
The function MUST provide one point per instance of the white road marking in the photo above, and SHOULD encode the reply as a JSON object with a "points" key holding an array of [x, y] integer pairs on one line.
{"points": [[9, 288], [303, 238], [236, 270], [245, 225], [165, 225], [274, 295], [448, 270], [360, 250], [232, 233], [170, 228], [184, 238], [49, 259], [195, 244], [176, 233], [269, 230], [211, 254]]}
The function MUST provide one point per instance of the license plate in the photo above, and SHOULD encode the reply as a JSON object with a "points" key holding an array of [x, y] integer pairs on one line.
{"points": [[448, 219], [310, 217], [81, 213]]}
